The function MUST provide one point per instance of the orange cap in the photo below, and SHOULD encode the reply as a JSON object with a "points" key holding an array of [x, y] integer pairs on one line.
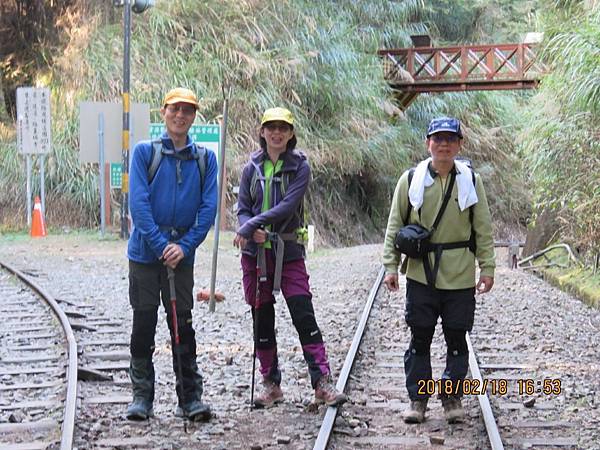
{"points": [[180, 95]]}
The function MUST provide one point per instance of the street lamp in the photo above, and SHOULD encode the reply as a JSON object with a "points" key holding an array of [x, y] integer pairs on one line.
{"points": [[137, 6]]}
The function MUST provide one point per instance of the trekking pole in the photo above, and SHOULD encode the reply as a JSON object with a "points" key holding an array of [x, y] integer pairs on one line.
{"points": [[176, 346], [254, 331]]}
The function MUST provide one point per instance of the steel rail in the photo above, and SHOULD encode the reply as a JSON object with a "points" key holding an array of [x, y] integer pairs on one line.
{"points": [[331, 413], [547, 249], [68, 424], [484, 402]]}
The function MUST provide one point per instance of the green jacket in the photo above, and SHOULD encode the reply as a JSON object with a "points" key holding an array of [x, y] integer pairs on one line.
{"points": [[457, 266]]}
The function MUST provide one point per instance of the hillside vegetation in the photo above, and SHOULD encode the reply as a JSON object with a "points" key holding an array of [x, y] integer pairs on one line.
{"points": [[562, 139], [316, 58]]}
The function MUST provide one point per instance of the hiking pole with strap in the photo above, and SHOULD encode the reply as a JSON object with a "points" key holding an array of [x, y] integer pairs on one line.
{"points": [[255, 324], [176, 344], [261, 275], [254, 337]]}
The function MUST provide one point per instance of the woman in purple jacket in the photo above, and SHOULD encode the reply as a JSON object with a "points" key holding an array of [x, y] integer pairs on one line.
{"points": [[270, 213]]}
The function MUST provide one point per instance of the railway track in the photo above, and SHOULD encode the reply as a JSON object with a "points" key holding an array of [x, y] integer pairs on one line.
{"points": [[515, 400], [38, 367], [48, 344], [371, 418], [526, 393]]}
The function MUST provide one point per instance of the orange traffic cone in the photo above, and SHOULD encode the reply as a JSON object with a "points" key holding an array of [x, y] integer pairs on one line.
{"points": [[38, 226]]}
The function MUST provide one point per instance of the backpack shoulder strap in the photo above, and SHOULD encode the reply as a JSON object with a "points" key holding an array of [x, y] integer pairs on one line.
{"points": [[444, 202], [301, 212], [155, 159], [202, 161], [254, 182], [200, 156], [411, 172], [472, 240], [471, 208], [286, 177]]}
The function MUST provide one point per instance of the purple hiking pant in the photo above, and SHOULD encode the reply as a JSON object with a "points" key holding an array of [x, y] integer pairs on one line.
{"points": [[296, 291]]}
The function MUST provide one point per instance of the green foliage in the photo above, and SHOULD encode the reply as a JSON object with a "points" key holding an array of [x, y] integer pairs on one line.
{"points": [[491, 121], [562, 144], [481, 21], [316, 58], [582, 282], [71, 188], [574, 53]]}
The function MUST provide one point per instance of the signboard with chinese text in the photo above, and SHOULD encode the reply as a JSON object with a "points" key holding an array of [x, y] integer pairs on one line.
{"points": [[33, 120], [116, 175]]}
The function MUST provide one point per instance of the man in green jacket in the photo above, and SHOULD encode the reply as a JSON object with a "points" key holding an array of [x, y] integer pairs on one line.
{"points": [[449, 292]]}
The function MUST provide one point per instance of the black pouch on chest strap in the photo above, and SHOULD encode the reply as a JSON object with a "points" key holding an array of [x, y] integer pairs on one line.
{"points": [[412, 240]]}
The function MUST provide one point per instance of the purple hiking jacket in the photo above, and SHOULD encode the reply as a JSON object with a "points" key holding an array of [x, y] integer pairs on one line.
{"points": [[249, 213]]}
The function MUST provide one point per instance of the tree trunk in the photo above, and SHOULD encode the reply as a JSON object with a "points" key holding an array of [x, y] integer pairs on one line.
{"points": [[4, 116], [542, 234]]}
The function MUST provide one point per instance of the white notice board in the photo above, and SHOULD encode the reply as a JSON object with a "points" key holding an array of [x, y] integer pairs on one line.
{"points": [[33, 120], [89, 112]]}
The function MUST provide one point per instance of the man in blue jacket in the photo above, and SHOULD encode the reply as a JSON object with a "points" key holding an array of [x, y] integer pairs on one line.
{"points": [[173, 205]]}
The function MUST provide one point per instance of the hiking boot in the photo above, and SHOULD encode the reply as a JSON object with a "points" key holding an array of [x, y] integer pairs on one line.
{"points": [[141, 372], [415, 413], [270, 395], [194, 410], [453, 409], [139, 409], [325, 392]]}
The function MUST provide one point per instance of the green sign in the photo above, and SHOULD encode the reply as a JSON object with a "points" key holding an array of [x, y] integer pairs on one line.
{"points": [[116, 175], [200, 133]]}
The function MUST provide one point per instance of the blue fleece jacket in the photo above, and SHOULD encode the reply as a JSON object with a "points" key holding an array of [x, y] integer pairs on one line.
{"points": [[168, 203]]}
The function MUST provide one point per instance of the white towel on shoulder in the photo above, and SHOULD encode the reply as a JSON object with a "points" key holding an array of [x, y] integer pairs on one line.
{"points": [[467, 196], [420, 180]]}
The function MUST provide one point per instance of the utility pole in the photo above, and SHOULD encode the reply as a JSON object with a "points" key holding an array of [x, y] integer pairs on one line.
{"points": [[138, 6], [125, 155]]}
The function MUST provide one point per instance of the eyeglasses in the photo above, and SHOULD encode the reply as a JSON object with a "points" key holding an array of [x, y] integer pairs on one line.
{"points": [[281, 126], [188, 110], [450, 138]]}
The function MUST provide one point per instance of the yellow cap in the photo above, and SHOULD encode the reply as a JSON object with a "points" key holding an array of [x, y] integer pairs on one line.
{"points": [[180, 95], [273, 114]]}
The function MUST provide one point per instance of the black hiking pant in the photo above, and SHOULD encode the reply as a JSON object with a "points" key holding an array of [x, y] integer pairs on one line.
{"points": [[424, 305]]}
